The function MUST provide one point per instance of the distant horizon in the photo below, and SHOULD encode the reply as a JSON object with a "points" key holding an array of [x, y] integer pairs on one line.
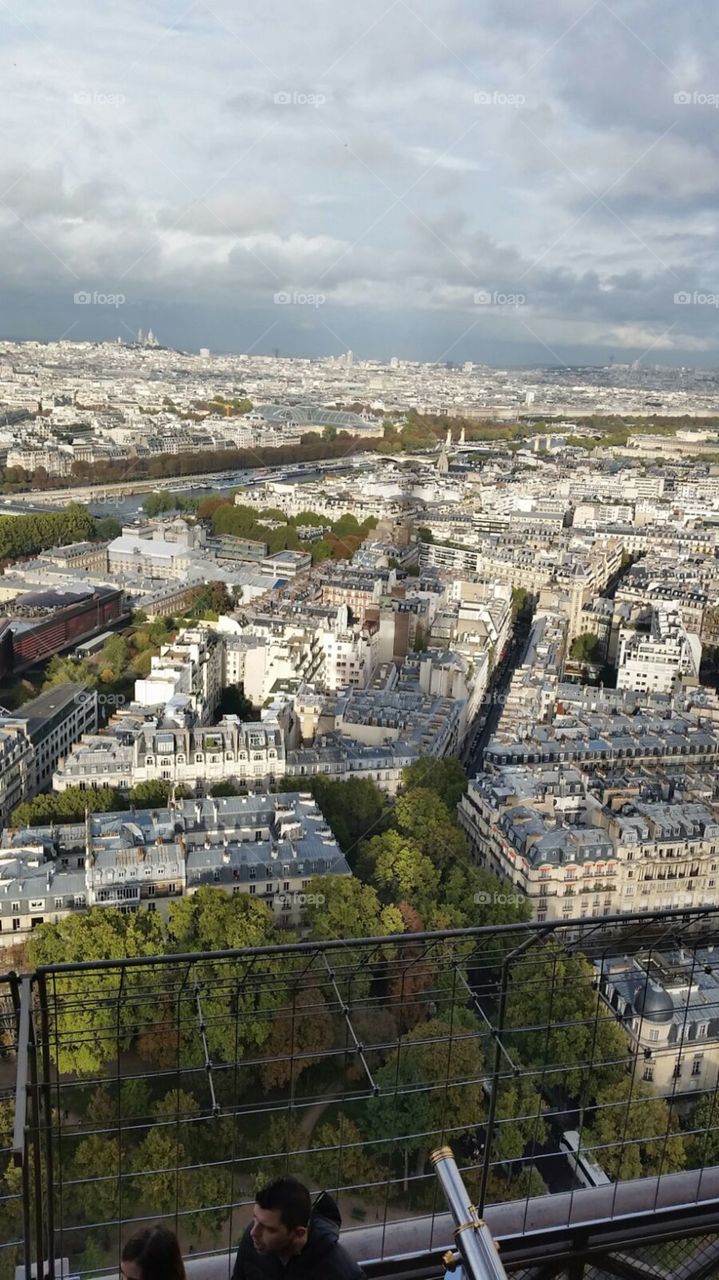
{"points": [[358, 358]]}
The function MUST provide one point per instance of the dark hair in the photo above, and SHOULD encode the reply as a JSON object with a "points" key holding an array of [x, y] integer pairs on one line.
{"points": [[156, 1252], [291, 1197]]}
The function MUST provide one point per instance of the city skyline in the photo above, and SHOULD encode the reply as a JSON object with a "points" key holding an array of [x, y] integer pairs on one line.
{"points": [[398, 181]]}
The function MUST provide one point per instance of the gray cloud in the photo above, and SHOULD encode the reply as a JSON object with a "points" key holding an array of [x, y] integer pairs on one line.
{"points": [[396, 157]]}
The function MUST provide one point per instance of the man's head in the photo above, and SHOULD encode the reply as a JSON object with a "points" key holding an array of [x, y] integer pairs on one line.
{"points": [[281, 1217]]}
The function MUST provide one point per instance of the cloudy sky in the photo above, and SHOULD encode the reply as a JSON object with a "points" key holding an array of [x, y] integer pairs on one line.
{"points": [[512, 182]]}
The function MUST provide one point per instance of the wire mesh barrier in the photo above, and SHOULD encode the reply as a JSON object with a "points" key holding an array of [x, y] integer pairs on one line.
{"points": [[544, 1056], [11, 1199]]}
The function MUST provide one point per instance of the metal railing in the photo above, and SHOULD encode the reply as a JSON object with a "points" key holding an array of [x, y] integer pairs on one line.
{"points": [[13, 1228], [168, 1088]]}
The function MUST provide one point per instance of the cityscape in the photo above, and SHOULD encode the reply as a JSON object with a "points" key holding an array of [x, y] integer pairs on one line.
{"points": [[411, 650], [359, 641]]}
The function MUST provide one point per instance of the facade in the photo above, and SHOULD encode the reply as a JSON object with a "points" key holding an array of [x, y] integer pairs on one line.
{"points": [[134, 750], [287, 564], [580, 844], [46, 623], [655, 661], [267, 846], [667, 1003], [17, 768], [53, 722]]}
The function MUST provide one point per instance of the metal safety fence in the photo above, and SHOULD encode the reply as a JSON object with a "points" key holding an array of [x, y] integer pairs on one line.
{"points": [[556, 1062]]}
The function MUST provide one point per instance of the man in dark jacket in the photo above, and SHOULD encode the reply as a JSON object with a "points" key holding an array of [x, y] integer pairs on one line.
{"points": [[288, 1239]]}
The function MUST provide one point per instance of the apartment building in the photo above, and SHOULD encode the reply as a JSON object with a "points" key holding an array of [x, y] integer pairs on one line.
{"points": [[189, 668], [52, 722], [133, 750], [667, 1003], [576, 844], [17, 768], [268, 846], [657, 659]]}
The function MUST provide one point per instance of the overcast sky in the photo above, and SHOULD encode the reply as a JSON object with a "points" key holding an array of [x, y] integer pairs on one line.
{"points": [[514, 182]]}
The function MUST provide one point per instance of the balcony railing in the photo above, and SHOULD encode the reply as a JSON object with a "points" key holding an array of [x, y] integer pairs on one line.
{"points": [[169, 1088]]}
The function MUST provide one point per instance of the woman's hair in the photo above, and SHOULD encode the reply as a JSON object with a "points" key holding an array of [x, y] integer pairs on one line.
{"points": [[156, 1252]]}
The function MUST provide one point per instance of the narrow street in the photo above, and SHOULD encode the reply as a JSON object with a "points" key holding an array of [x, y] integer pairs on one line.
{"points": [[487, 719]]}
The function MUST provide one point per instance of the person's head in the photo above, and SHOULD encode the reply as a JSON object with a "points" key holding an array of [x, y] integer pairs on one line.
{"points": [[152, 1254], [281, 1217]]}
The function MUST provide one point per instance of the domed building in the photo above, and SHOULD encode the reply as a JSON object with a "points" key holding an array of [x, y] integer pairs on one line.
{"points": [[668, 1006], [653, 1004]]}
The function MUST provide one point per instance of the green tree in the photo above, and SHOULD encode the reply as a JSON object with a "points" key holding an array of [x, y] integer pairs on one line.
{"points": [[521, 600], [304, 1026], [212, 920], [320, 550], [472, 896], [95, 1169], [107, 528], [86, 1030], [586, 648], [422, 815], [67, 806], [402, 872], [339, 1158], [62, 669], [636, 1133], [10, 1195], [234, 702], [354, 810], [431, 1084], [347, 524], [152, 794], [114, 659], [342, 907], [446, 777], [219, 789], [560, 1027], [702, 1138]]}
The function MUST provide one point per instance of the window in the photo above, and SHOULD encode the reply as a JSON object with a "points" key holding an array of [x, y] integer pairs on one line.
{"points": [[654, 1034], [253, 888], [648, 1074], [16, 924], [697, 1064], [677, 1072], [285, 885]]}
